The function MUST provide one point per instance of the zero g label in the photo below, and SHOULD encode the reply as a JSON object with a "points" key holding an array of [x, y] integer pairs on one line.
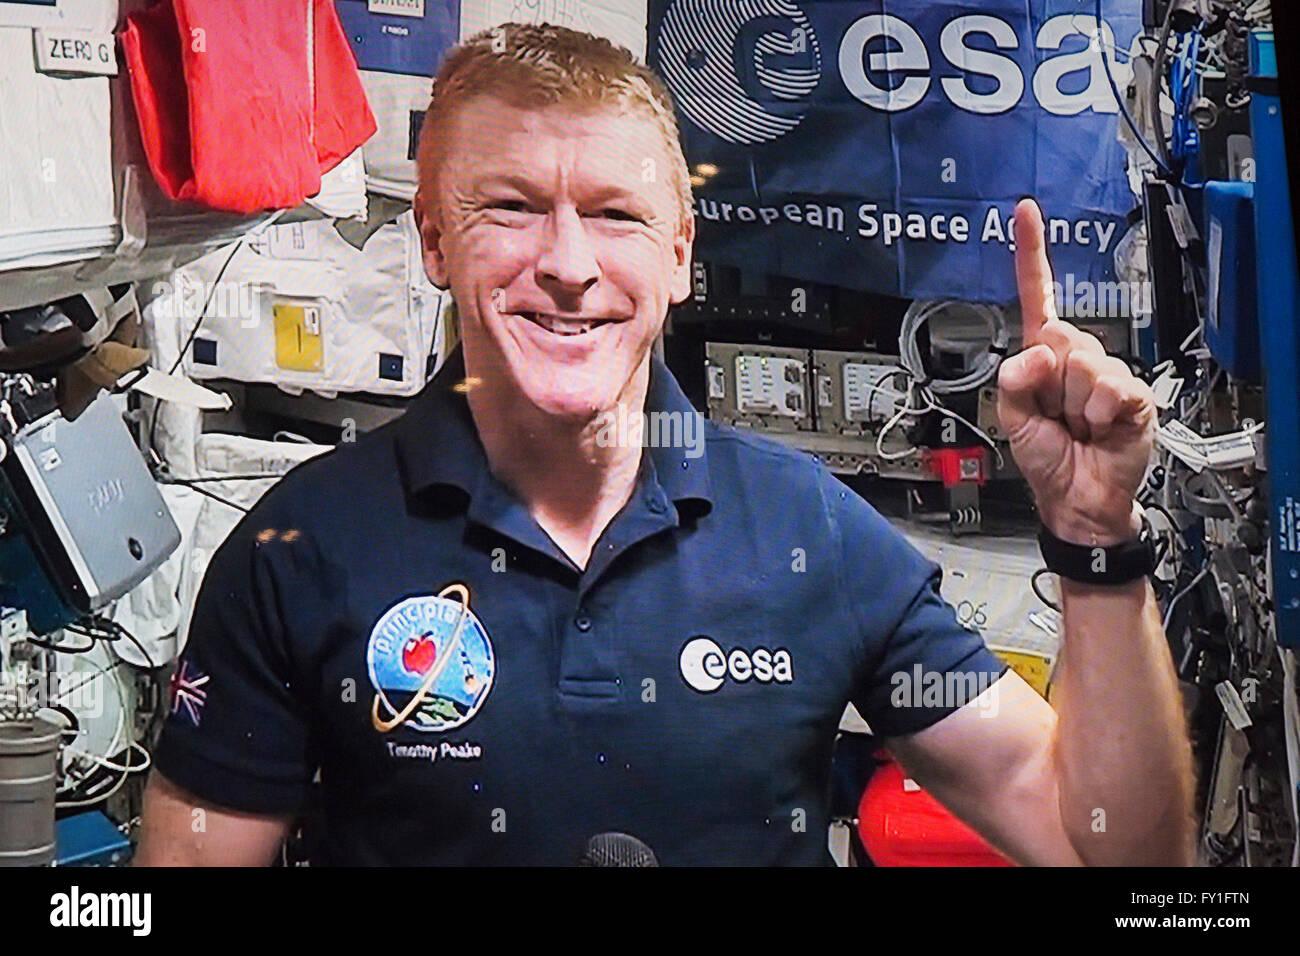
{"points": [[75, 51]]}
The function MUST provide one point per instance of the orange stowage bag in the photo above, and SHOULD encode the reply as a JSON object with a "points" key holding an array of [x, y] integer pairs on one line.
{"points": [[242, 103], [902, 825]]}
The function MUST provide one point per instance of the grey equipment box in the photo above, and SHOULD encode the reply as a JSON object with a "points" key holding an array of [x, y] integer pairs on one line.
{"points": [[98, 521], [763, 387], [856, 391]]}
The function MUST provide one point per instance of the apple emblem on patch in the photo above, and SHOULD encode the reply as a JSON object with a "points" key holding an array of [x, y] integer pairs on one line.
{"points": [[418, 654]]}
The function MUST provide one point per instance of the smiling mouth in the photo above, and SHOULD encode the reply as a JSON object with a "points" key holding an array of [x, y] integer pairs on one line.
{"points": [[557, 325]]}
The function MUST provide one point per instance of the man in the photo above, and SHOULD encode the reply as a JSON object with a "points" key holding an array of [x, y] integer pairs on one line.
{"points": [[497, 632]]}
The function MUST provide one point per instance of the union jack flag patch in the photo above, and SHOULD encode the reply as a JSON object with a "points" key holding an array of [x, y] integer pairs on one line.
{"points": [[186, 691]]}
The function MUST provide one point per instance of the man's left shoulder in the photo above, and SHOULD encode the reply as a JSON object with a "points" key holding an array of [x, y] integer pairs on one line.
{"points": [[739, 453], [790, 486], [790, 479]]}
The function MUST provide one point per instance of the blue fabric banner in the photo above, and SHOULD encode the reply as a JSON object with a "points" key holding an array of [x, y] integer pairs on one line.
{"points": [[882, 144]]}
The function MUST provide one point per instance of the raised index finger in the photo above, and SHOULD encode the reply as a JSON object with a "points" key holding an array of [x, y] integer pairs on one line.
{"points": [[1033, 271]]}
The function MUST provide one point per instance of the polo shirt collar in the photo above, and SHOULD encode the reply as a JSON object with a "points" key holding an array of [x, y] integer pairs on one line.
{"points": [[683, 472], [439, 445]]}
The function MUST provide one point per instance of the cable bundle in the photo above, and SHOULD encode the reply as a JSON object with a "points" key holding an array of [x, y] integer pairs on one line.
{"points": [[918, 313]]}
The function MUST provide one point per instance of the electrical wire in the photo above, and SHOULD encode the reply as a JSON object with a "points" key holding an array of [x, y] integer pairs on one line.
{"points": [[76, 687], [109, 673], [1153, 93], [1195, 334], [94, 801], [108, 630], [235, 247], [1157, 79], [1173, 601], [931, 405], [892, 423], [102, 761], [138, 646], [189, 483], [73, 729], [1123, 107], [121, 631], [923, 389], [1175, 532], [189, 341], [1162, 550], [909, 349], [1094, 35], [1033, 584], [260, 476], [109, 765], [1225, 496], [62, 648], [1181, 85], [1202, 396]]}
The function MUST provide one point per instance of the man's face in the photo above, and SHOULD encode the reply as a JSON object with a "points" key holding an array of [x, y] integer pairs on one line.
{"points": [[559, 234]]}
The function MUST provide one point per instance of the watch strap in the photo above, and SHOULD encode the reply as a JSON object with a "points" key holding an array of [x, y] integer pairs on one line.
{"points": [[1094, 564]]}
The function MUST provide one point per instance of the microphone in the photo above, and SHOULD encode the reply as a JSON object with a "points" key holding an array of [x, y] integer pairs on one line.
{"points": [[617, 849]]}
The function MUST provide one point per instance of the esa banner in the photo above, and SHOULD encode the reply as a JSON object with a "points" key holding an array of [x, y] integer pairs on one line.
{"points": [[882, 144]]}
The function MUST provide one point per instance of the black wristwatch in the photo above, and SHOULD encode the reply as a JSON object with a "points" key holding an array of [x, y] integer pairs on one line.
{"points": [[1093, 564]]}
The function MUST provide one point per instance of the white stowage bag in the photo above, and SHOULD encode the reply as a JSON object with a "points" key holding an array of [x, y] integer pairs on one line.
{"points": [[56, 162], [398, 56], [398, 46], [229, 457], [299, 307], [394, 99], [79, 208], [343, 189], [78, 205]]}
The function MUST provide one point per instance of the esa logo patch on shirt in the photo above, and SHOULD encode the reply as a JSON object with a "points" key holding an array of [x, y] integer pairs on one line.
{"points": [[430, 662], [705, 666]]}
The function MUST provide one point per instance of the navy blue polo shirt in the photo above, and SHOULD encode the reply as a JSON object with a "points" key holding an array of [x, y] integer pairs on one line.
{"points": [[392, 615]]}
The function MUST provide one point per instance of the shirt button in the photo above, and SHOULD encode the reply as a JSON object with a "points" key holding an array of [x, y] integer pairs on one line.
{"points": [[582, 623]]}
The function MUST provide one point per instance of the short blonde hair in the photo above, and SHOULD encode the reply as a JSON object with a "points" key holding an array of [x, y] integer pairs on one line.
{"points": [[544, 65]]}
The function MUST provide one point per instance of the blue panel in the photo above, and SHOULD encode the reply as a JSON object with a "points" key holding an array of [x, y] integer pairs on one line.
{"points": [[89, 839], [24, 582], [1231, 323], [1263, 56], [388, 43], [1279, 305]]}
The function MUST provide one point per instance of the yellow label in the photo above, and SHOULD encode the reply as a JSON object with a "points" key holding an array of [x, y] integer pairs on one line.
{"points": [[1034, 669], [298, 343]]}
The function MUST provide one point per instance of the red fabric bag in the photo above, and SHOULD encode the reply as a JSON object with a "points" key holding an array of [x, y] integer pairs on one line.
{"points": [[243, 103]]}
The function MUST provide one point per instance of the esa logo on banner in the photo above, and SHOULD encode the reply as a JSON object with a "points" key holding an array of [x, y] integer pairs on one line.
{"points": [[744, 80], [747, 73]]}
